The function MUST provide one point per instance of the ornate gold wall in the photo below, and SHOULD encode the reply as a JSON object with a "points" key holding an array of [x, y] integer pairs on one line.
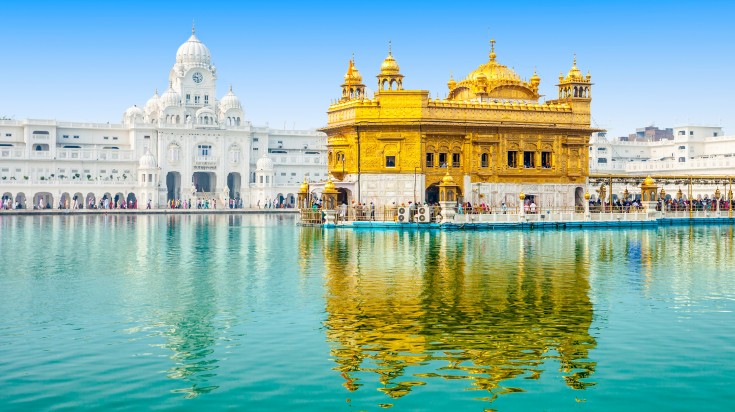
{"points": [[486, 118]]}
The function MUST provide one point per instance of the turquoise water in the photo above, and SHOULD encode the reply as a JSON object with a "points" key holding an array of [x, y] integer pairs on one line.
{"points": [[254, 313]]}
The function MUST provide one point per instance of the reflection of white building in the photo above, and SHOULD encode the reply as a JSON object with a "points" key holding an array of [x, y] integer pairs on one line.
{"points": [[182, 144]]}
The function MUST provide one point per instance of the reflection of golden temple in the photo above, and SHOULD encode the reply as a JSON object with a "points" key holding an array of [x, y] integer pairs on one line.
{"points": [[482, 321]]}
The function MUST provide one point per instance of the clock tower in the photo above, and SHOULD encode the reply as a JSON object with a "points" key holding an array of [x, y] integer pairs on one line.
{"points": [[193, 76]]}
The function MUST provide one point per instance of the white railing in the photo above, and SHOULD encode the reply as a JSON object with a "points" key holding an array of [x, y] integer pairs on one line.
{"points": [[66, 182], [11, 153]]}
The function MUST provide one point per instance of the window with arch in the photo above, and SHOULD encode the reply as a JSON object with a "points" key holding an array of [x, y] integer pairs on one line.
{"points": [[234, 153], [484, 160], [174, 153], [430, 159]]}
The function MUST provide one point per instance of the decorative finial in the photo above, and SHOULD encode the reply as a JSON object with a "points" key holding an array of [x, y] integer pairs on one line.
{"points": [[193, 28], [451, 75], [156, 90], [492, 49], [390, 48], [575, 60], [353, 57], [230, 88]]}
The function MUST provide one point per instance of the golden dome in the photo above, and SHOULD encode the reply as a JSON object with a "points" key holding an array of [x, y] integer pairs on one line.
{"points": [[329, 186], [304, 186], [389, 66], [451, 83], [447, 179], [649, 181], [352, 75], [495, 80], [574, 74], [587, 196], [535, 79]]}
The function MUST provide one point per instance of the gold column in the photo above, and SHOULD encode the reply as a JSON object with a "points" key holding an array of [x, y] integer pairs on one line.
{"points": [[691, 203]]}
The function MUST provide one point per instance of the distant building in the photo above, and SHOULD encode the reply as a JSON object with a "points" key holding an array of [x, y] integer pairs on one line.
{"points": [[184, 144], [692, 150], [649, 134]]}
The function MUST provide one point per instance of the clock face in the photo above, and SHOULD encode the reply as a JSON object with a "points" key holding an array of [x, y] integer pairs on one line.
{"points": [[197, 77]]}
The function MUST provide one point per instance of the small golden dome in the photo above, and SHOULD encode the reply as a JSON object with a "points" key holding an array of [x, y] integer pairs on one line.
{"points": [[304, 186], [535, 79], [352, 75], [451, 83], [587, 196], [329, 186], [574, 73], [447, 179], [389, 66], [522, 195], [649, 181]]}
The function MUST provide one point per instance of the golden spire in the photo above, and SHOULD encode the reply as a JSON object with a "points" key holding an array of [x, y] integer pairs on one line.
{"points": [[492, 50], [390, 48], [193, 28]]}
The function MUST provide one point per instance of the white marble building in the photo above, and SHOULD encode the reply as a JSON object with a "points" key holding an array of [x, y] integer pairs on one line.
{"points": [[694, 151], [182, 144]]}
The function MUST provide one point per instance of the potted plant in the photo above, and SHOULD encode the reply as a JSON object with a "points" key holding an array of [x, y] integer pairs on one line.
{"points": [[43, 178], [25, 177], [5, 177], [89, 177]]}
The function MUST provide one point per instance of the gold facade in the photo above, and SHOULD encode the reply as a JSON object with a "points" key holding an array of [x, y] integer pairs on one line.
{"points": [[490, 127]]}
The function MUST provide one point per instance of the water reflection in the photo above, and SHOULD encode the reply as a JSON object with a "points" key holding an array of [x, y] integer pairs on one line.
{"points": [[407, 308]]}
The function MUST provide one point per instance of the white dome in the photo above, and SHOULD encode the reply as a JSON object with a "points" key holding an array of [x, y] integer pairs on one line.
{"points": [[230, 101], [152, 104], [170, 98], [193, 52], [147, 161], [264, 164], [132, 114], [134, 111]]}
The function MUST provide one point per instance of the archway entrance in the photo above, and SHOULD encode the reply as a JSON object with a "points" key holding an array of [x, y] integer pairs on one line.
{"points": [[173, 185], [432, 194], [7, 200], [343, 196], [204, 181], [119, 200], [234, 182], [77, 201], [20, 200], [579, 197], [91, 201], [43, 200], [132, 201], [65, 201]]}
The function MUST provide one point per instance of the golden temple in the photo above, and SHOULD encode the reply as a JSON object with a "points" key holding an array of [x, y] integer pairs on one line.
{"points": [[491, 133]]}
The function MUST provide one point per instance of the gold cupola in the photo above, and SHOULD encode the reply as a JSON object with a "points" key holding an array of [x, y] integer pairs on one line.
{"points": [[493, 80], [575, 85], [535, 81], [390, 77], [451, 84], [352, 88]]}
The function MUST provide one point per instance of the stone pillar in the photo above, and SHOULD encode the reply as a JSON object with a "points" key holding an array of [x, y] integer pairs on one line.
{"points": [[522, 210], [447, 197]]}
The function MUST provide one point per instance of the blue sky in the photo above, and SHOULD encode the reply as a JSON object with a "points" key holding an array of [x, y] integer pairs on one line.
{"points": [[653, 63]]}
